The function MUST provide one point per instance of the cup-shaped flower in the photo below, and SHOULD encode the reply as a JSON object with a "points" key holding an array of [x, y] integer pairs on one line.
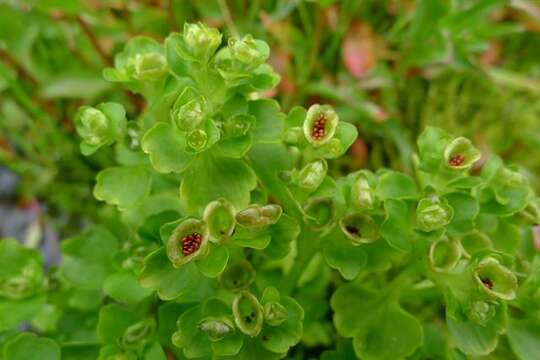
{"points": [[275, 313], [188, 241], [495, 280], [139, 334], [461, 154], [150, 66], [248, 313], [216, 328], [237, 276], [189, 110], [249, 51], [201, 41], [99, 126], [219, 216], [320, 212], [256, 216], [433, 213], [444, 254], [481, 311], [312, 174], [320, 124], [360, 228], [23, 285], [238, 125], [362, 194], [197, 139]]}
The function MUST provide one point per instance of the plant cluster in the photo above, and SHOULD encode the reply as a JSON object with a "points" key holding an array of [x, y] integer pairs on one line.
{"points": [[224, 228]]}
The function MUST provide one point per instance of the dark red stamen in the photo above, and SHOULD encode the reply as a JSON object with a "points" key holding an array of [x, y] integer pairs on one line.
{"points": [[487, 283], [456, 160], [352, 230], [191, 243], [319, 128]]}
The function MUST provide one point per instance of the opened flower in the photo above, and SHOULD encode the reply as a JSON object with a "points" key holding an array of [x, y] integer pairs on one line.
{"points": [[495, 280], [188, 241], [320, 124]]}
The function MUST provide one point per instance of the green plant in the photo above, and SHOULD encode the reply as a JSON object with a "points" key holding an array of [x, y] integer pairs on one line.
{"points": [[223, 230]]}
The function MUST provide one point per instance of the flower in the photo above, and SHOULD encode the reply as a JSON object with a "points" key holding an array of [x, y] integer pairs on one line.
{"points": [[150, 66], [460, 154], [360, 228], [258, 216], [216, 327], [444, 254], [433, 213], [362, 194], [188, 241], [495, 280], [248, 313], [320, 124], [201, 41], [312, 174], [249, 51], [219, 216]]}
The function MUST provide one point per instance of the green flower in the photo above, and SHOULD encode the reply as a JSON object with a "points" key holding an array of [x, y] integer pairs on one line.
{"points": [[275, 313], [219, 216], [258, 216], [249, 51], [200, 41], [248, 313], [481, 311], [495, 280], [150, 66], [444, 254], [312, 174], [362, 194], [22, 271], [100, 126], [461, 154], [238, 276], [216, 327], [197, 139], [188, 241], [433, 213], [320, 124], [238, 125], [360, 228], [136, 336], [189, 109]]}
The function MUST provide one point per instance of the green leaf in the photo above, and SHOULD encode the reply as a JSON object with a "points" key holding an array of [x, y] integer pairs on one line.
{"points": [[28, 346], [524, 338], [270, 121], [396, 228], [395, 185], [124, 287], [113, 321], [385, 332], [13, 312], [166, 147], [211, 177], [282, 234], [123, 186], [214, 262], [341, 254], [88, 258], [466, 209], [171, 283]]}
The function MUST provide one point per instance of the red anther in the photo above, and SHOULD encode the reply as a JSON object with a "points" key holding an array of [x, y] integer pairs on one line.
{"points": [[487, 283], [319, 130], [456, 160], [191, 243]]}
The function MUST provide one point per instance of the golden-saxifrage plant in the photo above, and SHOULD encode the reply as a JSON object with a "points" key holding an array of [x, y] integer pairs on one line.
{"points": [[229, 225]]}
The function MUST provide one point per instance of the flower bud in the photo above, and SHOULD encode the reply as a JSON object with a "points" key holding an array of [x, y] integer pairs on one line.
{"points": [[248, 313], [444, 254], [275, 313], [433, 213], [219, 216], [495, 280], [21, 286], [249, 51], [320, 124], [360, 228], [150, 66], [189, 110], [481, 311], [320, 212], [238, 125], [362, 194], [216, 328], [257, 216], [461, 154], [201, 41], [197, 139], [312, 175], [139, 334], [237, 276], [99, 126], [188, 241]]}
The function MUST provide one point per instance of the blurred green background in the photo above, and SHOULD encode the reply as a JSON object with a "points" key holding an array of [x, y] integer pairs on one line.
{"points": [[389, 66]]}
